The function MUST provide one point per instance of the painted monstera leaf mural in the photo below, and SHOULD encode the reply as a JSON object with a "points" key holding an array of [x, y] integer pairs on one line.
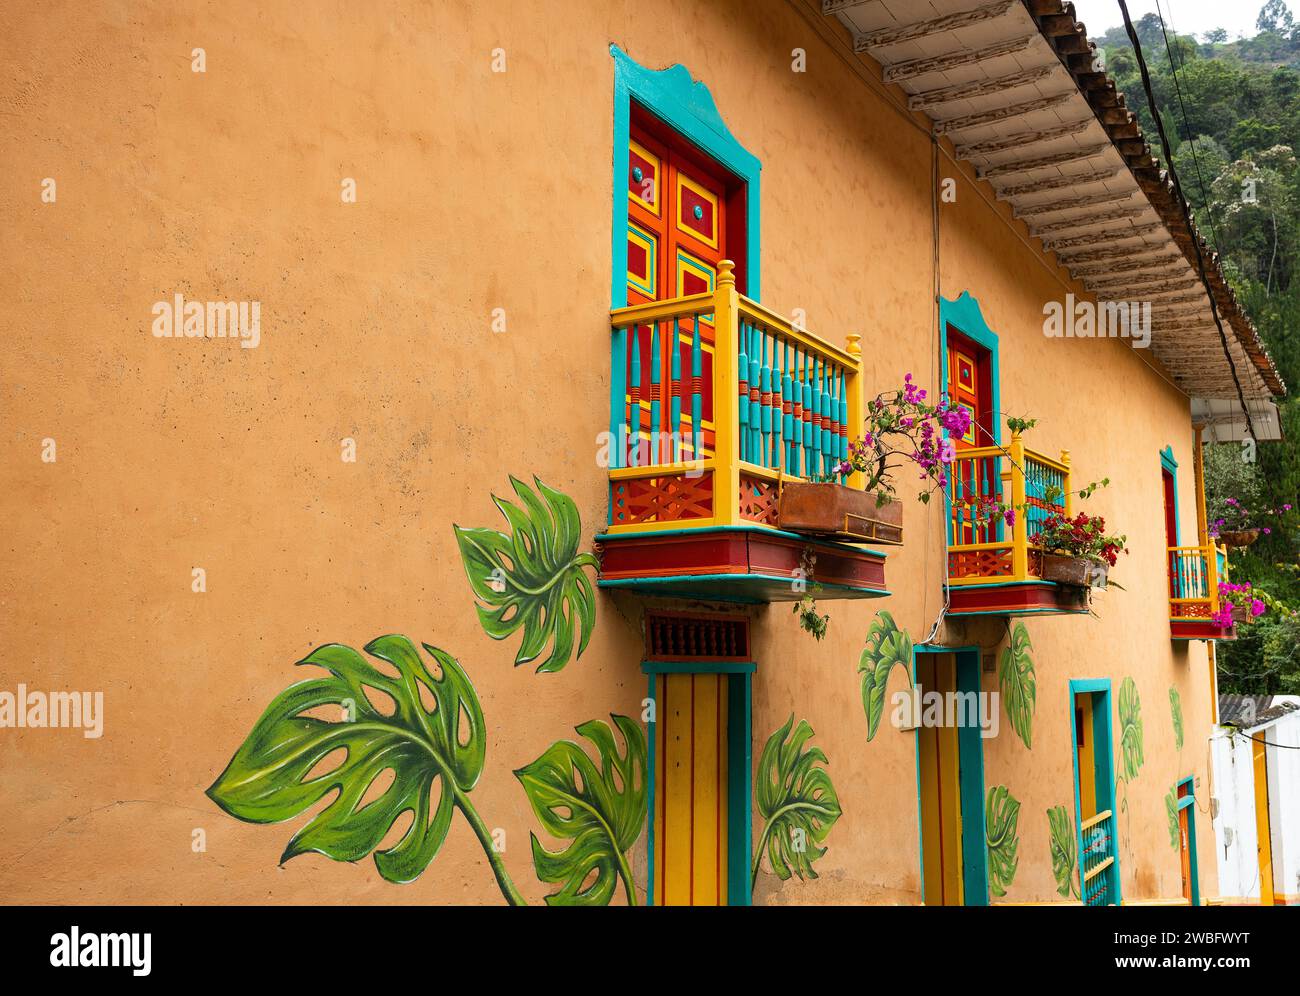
{"points": [[436, 756], [1171, 813], [533, 579], [887, 645], [1130, 729], [796, 801], [1063, 844], [1002, 813], [1018, 684], [599, 810], [1176, 712]]}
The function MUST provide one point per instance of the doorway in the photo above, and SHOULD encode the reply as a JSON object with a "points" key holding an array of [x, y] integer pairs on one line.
{"points": [[1094, 792], [950, 778], [1263, 827]]}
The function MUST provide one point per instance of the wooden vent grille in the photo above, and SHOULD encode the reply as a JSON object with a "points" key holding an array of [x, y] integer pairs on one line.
{"points": [[696, 637]]}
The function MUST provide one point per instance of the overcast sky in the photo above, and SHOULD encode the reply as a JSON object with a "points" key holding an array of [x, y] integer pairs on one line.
{"points": [[1187, 16]]}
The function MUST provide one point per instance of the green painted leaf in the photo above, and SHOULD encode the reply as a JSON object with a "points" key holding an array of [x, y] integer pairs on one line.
{"points": [[600, 811], [1018, 683], [1130, 728], [887, 645], [1171, 812], [271, 778], [1063, 844], [1002, 813], [534, 579], [796, 801], [1176, 710]]}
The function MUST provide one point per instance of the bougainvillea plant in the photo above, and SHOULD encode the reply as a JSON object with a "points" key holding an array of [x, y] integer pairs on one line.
{"points": [[1237, 517], [1231, 596], [1082, 535], [903, 429]]}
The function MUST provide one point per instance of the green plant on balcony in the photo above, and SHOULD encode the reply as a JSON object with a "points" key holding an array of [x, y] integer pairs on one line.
{"points": [[1077, 550]]}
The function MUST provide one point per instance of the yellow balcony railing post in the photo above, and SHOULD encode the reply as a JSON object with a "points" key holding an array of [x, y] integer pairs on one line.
{"points": [[1068, 498], [726, 382], [857, 407], [1019, 531]]}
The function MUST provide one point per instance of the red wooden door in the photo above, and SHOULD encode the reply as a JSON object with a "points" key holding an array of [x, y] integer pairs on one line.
{"points": [[677, 233]]}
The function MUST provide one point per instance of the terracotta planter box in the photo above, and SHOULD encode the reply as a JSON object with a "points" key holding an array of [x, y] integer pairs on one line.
{"points": [[1078, 572], [1240, 614], [1239, 537], [837, 511]]}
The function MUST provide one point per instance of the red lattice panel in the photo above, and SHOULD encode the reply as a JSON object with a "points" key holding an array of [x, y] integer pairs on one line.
{"points": [[662, 499], [979, 563], [688, 636], [1190, 610], [758, 499]]}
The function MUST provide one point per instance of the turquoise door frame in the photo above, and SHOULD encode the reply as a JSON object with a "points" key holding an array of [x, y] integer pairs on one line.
{"points": [[1103, 752], [970, 766], [1188, 802], [740, 806]]}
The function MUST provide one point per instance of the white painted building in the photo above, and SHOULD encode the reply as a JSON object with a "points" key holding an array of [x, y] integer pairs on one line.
{"points": [[1255, 798]]}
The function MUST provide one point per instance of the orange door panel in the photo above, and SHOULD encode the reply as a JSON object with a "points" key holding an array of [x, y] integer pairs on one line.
{"points": [[676, 213]]}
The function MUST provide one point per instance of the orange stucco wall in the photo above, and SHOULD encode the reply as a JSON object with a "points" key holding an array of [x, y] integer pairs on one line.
{"points": [[476, 191]]}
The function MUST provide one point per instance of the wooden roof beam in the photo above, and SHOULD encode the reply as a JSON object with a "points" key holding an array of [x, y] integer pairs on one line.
{"points": [[1104, 237], [1038, 162], [949, 125], [1022, 138], [912, 68], [935, 25], [1057, 182], [976, 88], [1070, 203], [1087, 220]]}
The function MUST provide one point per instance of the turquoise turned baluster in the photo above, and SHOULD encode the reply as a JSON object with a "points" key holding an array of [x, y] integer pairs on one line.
{"points": [[755, 397], [787, 408], [809, 467], [831, 407], [675, 414], [742, 368], [767, 402], [844, 416], [655, 381], [796, 432], [697, 400], [634, 409], [778, 405]]}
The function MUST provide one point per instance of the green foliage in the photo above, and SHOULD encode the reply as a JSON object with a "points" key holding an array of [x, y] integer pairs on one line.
{"points": [[1002, 813], [809, 619], [600, 811], [533, 579], [796, 802], [1130, 729], [887, 645], [435, 757], [1018, 683], [1176, 712], [1171, 812], [1063, 844]]}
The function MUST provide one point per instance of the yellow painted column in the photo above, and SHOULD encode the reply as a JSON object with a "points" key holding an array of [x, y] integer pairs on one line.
{"points": [[726, 382], [857, 405], [1263, 836], [1020, 530]]}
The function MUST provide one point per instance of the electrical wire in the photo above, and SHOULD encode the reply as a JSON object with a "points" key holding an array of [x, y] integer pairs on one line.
{"points": [[1186, 211]]}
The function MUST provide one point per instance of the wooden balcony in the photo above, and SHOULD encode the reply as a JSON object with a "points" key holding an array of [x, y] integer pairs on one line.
{"points": [[1194, 576], [993, 568], [715, 402]]}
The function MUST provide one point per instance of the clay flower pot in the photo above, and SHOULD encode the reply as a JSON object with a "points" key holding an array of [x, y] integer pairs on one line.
{"points": [[1078, 572], [841, 512], [1238, 537]]}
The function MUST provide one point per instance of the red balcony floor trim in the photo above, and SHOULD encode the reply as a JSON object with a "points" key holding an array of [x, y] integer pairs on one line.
{"points": [[738, 563], [1015, 598]]}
